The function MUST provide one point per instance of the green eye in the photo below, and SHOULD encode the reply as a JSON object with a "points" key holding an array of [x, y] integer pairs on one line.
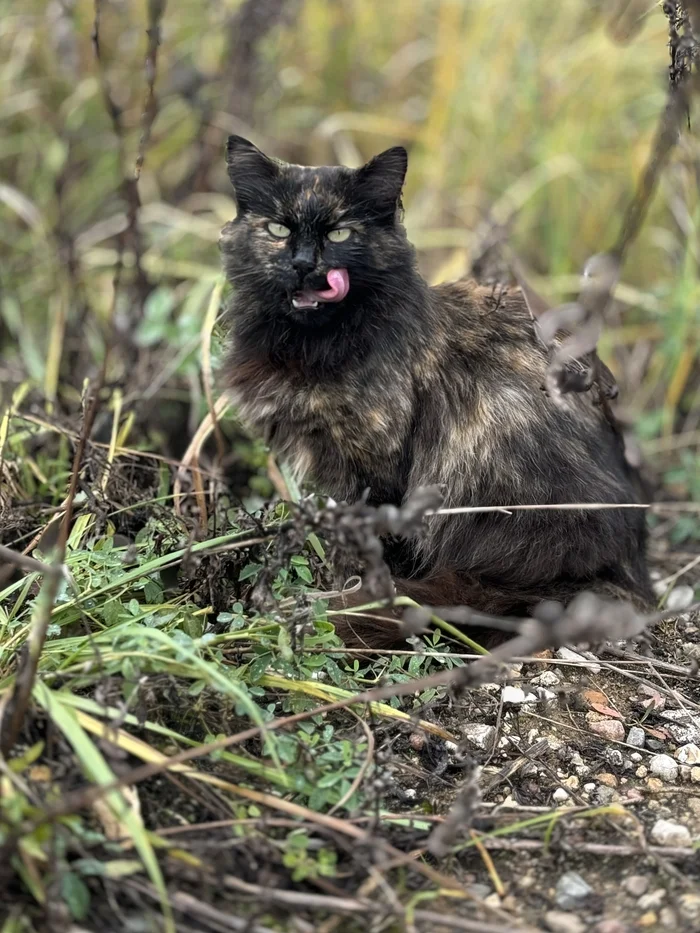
{"points": [[340, 235], [279, 230]]}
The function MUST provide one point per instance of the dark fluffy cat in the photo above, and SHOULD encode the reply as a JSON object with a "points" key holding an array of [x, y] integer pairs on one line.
{"points": [[365, 378]]}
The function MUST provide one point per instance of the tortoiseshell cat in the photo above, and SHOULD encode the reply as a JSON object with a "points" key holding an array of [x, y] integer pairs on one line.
{"points": [[365, 378]]}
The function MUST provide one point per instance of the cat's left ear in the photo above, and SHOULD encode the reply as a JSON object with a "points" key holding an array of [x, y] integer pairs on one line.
{"points": [[251, 173], [380, 181]]}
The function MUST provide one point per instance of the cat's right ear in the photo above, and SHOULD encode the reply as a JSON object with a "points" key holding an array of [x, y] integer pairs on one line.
{"points": [[251, 173], [380, 181]]}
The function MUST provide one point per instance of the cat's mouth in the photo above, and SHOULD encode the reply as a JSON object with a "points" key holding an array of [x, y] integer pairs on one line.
{"points": [[338, 282]]}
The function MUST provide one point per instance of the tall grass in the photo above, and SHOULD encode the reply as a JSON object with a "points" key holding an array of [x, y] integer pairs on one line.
{"points": [[531, 115]]}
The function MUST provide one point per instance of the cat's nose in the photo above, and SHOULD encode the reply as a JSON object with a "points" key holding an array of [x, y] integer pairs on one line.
{"points": [[304, 262]]}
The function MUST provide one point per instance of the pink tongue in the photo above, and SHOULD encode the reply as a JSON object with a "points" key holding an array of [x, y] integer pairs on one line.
{"points": [[338, 287]]}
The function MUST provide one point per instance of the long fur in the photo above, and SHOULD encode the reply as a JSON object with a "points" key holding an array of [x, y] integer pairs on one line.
{"points": [[403, 385]]}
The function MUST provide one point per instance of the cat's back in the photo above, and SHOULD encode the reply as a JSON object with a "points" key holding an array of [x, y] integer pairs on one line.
{"points": [[493, 365], [482, 316], [487, 334]]}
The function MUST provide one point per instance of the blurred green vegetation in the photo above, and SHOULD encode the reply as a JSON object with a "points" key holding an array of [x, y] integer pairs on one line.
{"points": [[532, 116]]}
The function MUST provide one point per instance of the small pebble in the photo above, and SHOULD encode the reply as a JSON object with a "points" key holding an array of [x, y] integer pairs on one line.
{"points": [[479, 735], [611, 729], [694, 805], [558, 922], [636, 885], [610, 926], [688, 754], [636, 737], [417, 741], [516, 695], [560, 795], [641, 771], [695, 775], [680, 598], [655, 785], [613, 756], [653, 900], [547, 679], [689, 906], [668, 918], [608, 779], [605, 795], [664, 767], [685, 772], [573, 782], [668, 833], [572, 891], [648, 920], [589, 787], [636, 757]]}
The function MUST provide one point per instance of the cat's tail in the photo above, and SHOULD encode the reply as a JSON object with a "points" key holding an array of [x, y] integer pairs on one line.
{"points": [[382, 628]]}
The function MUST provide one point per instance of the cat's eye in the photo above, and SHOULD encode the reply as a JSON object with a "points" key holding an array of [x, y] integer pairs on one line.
{"points": [[340, 235], [279, 231]]}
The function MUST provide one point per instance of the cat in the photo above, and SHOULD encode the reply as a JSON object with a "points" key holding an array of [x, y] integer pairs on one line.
{"points": [[368, 381]]}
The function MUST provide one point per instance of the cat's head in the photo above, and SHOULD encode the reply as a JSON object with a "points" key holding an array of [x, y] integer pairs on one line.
{"points": [[312, 243]]}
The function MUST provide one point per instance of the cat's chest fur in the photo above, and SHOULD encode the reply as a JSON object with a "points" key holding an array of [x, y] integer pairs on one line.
{"points": [[347, 430]]}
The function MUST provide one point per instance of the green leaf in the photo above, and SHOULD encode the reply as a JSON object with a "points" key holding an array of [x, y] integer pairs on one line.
{"points": [[329, 780], [152, 592], [304, 574], [75, 893], [17, 765], [249, 572]]}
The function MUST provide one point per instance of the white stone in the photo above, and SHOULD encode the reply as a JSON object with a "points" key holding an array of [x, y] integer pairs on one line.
{"points": [[547, 679], [668, 833], [688, 754], [479, 735], [560, 795], [518, 696], [636, 737], [665, 767], [653, 900], [680, 598], [556, 921]]}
